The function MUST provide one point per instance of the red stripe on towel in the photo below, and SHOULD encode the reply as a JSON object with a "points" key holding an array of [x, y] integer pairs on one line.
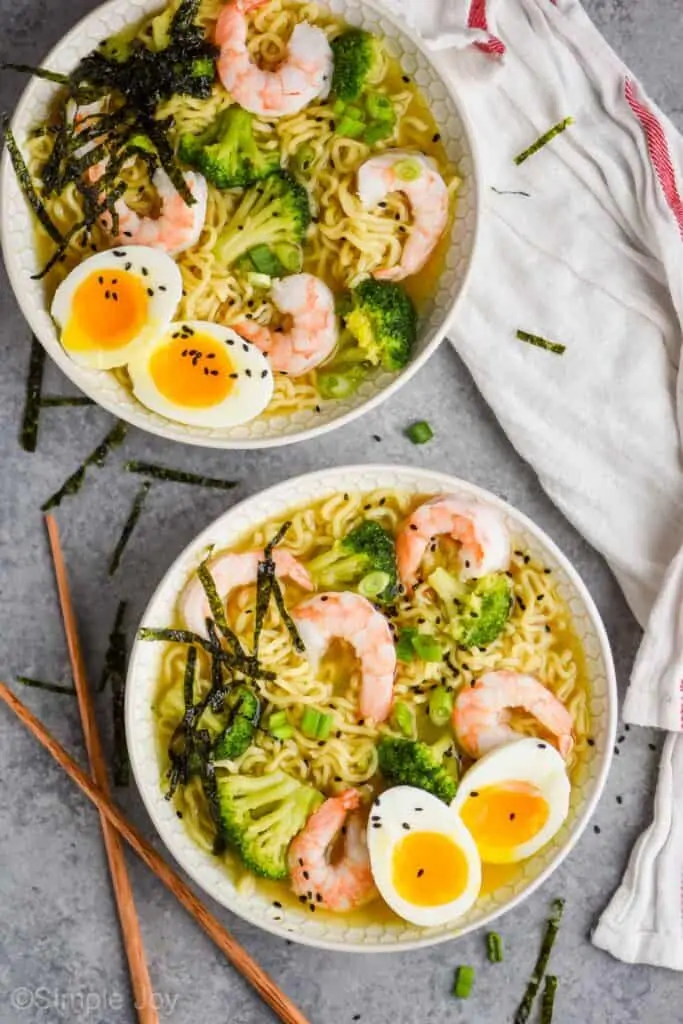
{"points": [[658, 149], [477, 19]]}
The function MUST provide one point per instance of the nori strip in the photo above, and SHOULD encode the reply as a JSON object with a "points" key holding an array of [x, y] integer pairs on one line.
{"points": [[73, 484], [212, 596], [211, 793], [39, 684], [264, 581], [129, 526], [264, 592], [34, 384], [286, 617], [552, 926], [543, 140], [188, 682], [114, 672], [548, 999], [179, 476], [539, 342], [111, 652], [27, 187], [28, 69], [185, 636], [58, 402]]}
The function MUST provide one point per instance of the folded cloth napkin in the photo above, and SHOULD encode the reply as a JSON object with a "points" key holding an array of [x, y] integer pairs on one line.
{"points": [[589, 255]]}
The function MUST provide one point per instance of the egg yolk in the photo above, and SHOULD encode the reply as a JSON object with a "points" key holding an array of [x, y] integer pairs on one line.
{"points": [[504, 816], [109, 308], [429, 869], [193, 370]]}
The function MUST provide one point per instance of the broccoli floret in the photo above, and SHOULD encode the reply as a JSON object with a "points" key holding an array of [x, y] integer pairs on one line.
{"points": [[270, 213], [485, 611], [383, 322], [226, 151], [477, 611], [261, 814], [356, 54], [239, 733], [414, 763], [365, 555]]}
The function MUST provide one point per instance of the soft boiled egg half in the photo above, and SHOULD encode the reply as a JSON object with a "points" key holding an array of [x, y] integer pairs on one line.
{"points": [[114, 303], [424, 861], [514, 800], [202, 374]]}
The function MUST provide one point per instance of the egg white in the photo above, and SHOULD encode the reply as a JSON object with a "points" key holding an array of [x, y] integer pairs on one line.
{"points": [[250, 394], [529, 760], [154, 268], [408, 806]]}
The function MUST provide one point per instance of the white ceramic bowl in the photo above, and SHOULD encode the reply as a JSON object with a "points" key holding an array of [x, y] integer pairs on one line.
{"points": [[144, 670], [16, 230]]}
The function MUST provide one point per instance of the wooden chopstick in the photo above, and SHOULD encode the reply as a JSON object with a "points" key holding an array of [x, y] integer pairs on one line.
{"points": [[143, 992], [236, 954]]}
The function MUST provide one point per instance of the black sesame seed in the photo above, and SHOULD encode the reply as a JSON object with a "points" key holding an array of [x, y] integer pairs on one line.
{"points": [[234, 376], [162, 287], [332, 126], [397, 216], [206, 372], [179, 814], [301, 862], [356, 1016], [107, 295], [420, 872], [405, 78], [264, 373], [114, 296], [302, 899], [323, 597], [590, 742], [119, 253], [627, 728], [540, 597], [620, 799], [596, 829], [214, 373], [621, 739], [418, 808], [248, 372], [306, 875], [376, 437], [405, 825], [617, 751], [145, 272], [343, 830], [652, 746], [318, 897], [436, 137], [277, 904], [474, 792], [100, 280], [413, 526], [541, 746], [383, 205], [512, 816], [150, 292], [377, 824], [318, 409], [231, 341], [128, 234], [548, 629]]}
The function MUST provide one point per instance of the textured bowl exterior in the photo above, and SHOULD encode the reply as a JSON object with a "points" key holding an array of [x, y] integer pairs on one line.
{"points": [[19, 251], [295, 924]]}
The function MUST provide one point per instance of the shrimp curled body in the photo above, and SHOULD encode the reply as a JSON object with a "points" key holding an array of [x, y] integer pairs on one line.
{"points": [[345, 884], [346, 616], [229, 572], [482, 712], [178, 225], [304, 75], [313, 333], [416, 177], [481, 531]]}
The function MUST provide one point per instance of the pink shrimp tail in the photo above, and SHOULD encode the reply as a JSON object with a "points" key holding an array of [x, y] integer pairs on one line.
{"points": [[350, 799]]}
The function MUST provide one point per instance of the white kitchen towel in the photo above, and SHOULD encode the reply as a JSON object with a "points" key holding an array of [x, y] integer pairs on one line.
{"points": [[589, 255]]}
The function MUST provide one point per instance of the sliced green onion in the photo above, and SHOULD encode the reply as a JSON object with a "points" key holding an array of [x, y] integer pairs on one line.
{"points": [[340, 383], [338, 107], [374, 584], [440, 706], [420, 432], [404, 644], [543, 140], [552, 926], [265, 261], [548, 999], [259, 280], [277, 719], [426, 647], [407, 170], [404, 719], [282, 732], [376, 131], [464, 980], [380, 107], [350, 128], [290, 255], [315, 724], [540, 342], [494, 947], [304, 158]]}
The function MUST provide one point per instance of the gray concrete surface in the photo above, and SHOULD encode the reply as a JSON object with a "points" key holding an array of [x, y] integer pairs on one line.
{"points": [[60, 952]]}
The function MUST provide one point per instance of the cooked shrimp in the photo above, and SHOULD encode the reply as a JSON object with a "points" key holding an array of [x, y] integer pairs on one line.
{"points": [[304, 75], [346, 883], [424, 188], [482, 712], [229, 572], [481, 531], [346, 616], [178, 225], [313, 333]]}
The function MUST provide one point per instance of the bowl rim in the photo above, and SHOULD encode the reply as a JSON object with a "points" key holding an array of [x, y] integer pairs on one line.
{"points": [[175, 431], [442, 481]]}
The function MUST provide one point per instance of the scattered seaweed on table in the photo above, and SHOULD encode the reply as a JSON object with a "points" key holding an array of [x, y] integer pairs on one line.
{"points": [[129, 526], [552, 927], [73, 484], [30, 69], [179, 476], [114, 673], [548, 999], [543, 140], [34, 385], [60, 402], [540, 342], [40, 684]]}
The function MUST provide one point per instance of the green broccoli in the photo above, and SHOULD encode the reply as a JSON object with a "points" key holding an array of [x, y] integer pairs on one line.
{"points": [[239, 733], [269, 213], [226, 151], [479, 610], [366, 557], [405, 762], [261, 814], [382, 320], [355, 54]]}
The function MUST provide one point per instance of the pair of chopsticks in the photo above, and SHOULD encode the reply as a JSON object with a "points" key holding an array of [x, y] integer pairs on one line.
{"points": [[116, 827]]}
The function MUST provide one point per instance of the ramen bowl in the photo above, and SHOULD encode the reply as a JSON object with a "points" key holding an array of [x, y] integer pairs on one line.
{"points": [[22, 259], [340, 932]]}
